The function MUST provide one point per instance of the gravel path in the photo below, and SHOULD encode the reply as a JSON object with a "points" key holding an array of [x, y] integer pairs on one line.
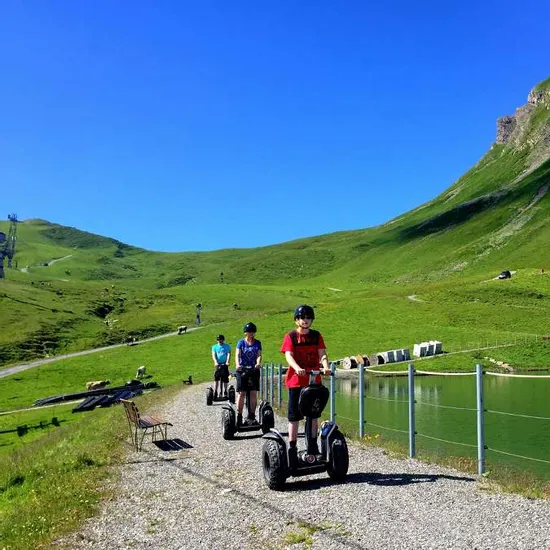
{"points": [[213, 496], [18, 368]]}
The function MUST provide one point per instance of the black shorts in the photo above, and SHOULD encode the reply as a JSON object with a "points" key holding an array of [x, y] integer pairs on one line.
{"points": [[294, 414], [248, 380], [221, 374]]}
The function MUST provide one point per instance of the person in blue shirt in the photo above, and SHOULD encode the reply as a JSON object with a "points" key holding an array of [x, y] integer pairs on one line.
{"points": [[221, 354], [248, 360]]}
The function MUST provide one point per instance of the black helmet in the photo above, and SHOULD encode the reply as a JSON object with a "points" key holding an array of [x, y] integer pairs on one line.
{"points": [[250, 327], [220, 337], [304, 311]]}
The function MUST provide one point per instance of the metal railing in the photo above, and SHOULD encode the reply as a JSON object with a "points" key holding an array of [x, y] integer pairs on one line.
{"points": [[273, 392]]}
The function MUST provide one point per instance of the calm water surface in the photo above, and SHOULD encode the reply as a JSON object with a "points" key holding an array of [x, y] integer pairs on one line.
{"points": [[386, 410]]}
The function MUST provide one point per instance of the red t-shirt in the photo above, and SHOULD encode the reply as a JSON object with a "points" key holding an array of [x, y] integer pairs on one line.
{"points": [[305, 350]]}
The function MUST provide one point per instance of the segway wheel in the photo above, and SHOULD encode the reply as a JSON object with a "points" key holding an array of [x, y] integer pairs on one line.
{"points": [[275, 474], [338, 465], [228, 426], [231, 394], [209, 396], [268, 419]]}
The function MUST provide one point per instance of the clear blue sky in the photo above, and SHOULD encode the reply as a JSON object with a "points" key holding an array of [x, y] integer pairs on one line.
{"points": [[199, 125]]}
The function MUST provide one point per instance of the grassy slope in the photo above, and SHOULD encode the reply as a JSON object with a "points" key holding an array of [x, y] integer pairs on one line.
{"points": [[62, 307], [445, 249]]}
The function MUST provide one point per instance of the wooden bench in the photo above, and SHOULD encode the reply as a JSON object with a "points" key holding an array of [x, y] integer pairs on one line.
{"points": [[141, 424]]}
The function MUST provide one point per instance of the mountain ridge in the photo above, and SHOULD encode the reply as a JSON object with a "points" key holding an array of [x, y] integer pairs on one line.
{"points": [[494, 216]]}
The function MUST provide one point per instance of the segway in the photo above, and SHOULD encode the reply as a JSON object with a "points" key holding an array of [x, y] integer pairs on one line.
{"points": [[211, 396], [229, 412], [333, 457]]}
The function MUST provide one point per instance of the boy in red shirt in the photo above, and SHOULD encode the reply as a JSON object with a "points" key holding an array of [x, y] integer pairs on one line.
{"points": [[304, 351]]}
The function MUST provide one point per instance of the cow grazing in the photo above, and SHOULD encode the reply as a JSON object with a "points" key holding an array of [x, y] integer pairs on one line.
{"points": [[97, 384], [140, 372], [182, 329]]}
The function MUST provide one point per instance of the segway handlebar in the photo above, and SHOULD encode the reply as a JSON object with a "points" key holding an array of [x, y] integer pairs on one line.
{"points": [[243, 369], [319, 372]]}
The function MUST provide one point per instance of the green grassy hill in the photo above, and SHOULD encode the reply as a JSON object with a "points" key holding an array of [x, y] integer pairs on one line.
{"points": [[74, 290]]}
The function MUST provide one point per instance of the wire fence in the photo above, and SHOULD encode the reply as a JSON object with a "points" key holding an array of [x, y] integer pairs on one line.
{"points": [[271, 389]]}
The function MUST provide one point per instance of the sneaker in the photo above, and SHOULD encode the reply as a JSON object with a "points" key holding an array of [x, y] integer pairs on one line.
{"points": [[225, 395], [215, 395], [239, 420]]}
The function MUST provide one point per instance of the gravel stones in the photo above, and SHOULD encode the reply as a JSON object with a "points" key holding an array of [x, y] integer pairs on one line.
{"points": [[213, 496]]}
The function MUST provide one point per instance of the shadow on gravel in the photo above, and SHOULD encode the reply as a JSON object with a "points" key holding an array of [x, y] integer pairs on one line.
{"points": [[372, 478]]}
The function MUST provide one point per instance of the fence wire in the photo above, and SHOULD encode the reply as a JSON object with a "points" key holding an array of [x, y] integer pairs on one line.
{"points": [[386, 428], [520, 415], [444, 373], [518, 456], [424, 403], [443, 406], [490, 373], [387, 399], [446, 440]]}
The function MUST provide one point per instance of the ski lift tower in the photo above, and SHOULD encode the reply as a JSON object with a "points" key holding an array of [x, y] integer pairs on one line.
{"points": [[7, 244]]}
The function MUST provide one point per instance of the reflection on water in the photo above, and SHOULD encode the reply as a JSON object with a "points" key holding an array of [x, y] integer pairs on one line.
{"points": [[389, 388], [520, 435]]}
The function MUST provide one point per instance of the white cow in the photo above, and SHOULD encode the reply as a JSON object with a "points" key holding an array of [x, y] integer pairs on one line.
{"points": [[141, 372]]}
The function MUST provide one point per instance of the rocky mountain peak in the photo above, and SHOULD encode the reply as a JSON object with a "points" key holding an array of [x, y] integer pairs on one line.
{"points": [[529, 126], [538, 96]]}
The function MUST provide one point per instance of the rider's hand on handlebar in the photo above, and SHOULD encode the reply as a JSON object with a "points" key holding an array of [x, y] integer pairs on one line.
{"points": [[300, 372], [327, 371]]}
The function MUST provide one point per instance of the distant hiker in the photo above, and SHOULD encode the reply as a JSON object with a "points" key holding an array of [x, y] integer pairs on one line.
{"points": [[221, 355]]}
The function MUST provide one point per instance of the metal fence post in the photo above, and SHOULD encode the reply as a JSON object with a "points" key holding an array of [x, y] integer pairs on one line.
{"points": [[280, 385], [361, 400], [272, 381], [268, 367], [480, 426], [332, 392], [412, 429], [261, 382], [267, 383]]}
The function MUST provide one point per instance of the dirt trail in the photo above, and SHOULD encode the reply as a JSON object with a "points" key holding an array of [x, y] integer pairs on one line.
{"points": [[18, 368]]}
